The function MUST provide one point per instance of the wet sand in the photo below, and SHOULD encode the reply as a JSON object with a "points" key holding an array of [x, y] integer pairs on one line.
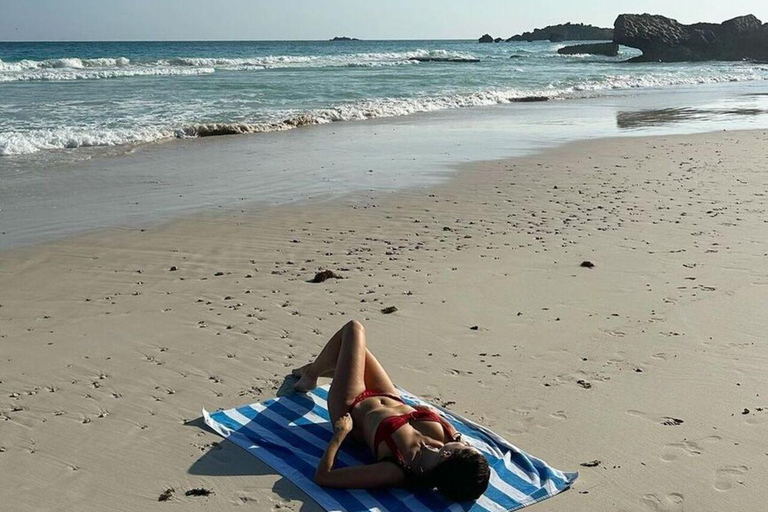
{"points": [[652, 361]]}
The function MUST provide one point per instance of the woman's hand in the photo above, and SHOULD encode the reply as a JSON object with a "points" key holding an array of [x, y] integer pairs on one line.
{"points": [[343, 425]]}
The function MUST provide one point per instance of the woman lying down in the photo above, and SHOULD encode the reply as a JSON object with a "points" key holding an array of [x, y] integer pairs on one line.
{"points": [[412, 446]]}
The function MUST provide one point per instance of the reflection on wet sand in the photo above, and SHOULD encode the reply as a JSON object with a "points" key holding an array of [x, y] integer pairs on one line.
{"points": [[632, 119]]}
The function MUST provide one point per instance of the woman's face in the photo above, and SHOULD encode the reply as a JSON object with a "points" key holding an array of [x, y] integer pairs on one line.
{"points": [[431, 454]]}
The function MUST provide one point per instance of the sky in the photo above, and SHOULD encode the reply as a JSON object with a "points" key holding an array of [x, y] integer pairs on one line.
{"points": [[107, 20]]}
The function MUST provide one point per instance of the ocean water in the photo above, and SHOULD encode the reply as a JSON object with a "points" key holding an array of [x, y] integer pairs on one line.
{"points": [[67, 96]]}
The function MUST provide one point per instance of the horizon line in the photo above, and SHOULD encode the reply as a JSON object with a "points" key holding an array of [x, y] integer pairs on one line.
{"points": [[356, 40]]}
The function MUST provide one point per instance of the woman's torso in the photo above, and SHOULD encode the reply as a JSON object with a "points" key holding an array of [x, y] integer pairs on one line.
{"points": [[368, 415]]}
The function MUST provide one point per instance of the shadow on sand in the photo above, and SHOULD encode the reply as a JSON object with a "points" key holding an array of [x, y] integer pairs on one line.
{"points": [[227, 459]]}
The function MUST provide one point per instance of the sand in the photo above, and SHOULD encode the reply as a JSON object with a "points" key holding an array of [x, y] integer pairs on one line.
{"points": [[653, 361]]}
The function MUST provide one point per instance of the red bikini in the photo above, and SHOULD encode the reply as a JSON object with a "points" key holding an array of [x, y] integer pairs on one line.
{"points": [[392, 424]]}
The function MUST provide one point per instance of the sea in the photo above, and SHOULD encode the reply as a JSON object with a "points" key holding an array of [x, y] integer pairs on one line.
{"points": [[114, 134], [56, 96]]}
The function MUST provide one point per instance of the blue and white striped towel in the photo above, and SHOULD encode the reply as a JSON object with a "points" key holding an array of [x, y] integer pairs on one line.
{"points": [[290, 434]]}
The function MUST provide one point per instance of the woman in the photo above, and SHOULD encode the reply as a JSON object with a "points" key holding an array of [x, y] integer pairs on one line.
{"points": [[412, 446]]}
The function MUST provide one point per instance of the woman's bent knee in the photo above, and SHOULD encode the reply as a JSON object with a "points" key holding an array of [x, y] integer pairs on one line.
{"points": [[354, 325]]}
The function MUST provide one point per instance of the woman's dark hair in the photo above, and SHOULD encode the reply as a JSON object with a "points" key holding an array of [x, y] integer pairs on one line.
{"points": [[463, 476]]}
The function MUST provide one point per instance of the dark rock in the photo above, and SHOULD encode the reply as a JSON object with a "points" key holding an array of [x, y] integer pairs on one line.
{"points": [[166, 494], [663, 39], [529, 99], [745, 411], [584, 384], [214, 130], [198, 492], [609, 49], [344, 38], [173, 269], [475, 327], [444, 59], [389, 309], [587, 264], [591, 464], [498, 40], [566, 32], [487, 38], [324, 276]]}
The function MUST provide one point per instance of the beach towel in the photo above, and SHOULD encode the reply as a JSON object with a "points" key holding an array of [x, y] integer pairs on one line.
{"points": [[291, 433]]}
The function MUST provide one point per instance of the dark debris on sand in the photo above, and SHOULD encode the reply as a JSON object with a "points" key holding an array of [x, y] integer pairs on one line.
{"points": [[389, 309], [198, 492], [324, 276], [591, 464], [587, 264], [166, 494]]}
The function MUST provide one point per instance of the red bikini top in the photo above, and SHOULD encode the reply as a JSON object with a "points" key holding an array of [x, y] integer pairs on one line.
{"points": [[389, 426]]}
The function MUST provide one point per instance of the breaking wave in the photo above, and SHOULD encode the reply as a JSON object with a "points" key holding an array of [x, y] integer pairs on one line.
{"points": [[103, 68], [32, 141]]}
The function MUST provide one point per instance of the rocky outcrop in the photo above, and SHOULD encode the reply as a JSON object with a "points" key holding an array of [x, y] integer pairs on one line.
{"points": [[487, 38], [444, 59], [344, 38], [566, 32], [663, 39], [609, 49]]}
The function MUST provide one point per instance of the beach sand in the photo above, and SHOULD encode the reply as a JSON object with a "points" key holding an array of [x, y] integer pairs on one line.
{"points": [[653, 361]]}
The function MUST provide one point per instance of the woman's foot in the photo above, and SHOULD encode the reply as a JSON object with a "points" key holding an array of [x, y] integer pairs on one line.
{"points": [[307, 379]]}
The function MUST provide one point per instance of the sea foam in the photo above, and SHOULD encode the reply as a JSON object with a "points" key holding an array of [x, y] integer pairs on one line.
{"points": [[25, 142], [73, 68]]}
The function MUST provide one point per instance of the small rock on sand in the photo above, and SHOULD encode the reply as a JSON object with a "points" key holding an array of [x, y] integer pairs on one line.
{"points": [[591, 464], [587, 264], [324, 275], [198, 492], [584, 384], [389, 309], [166, 494]]}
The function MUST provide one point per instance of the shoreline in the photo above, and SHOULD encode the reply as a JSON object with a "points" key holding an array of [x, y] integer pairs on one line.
{"points": [[160, 182], [109, 349]]}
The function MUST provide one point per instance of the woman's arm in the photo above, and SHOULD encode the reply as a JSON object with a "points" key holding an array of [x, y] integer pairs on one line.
{"points": [[381, 474]]}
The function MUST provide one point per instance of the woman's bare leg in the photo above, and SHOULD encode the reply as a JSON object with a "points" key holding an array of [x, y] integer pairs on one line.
{"points": [[322, 366], [352, 365]]}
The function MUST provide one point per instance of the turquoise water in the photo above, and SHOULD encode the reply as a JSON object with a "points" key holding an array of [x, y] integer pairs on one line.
{"points": [[56, 96]]}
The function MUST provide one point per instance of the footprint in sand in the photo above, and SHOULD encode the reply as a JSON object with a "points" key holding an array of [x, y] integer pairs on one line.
{"points": [[728, 476], [673, 451], [670, 503], [668, 421], [559, 415]]}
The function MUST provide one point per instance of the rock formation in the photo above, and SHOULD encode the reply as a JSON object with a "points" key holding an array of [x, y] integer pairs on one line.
{"points": [[663, 39], [487, 38], [344, 38], [566, 32], [609, 49], [444, 59]]}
